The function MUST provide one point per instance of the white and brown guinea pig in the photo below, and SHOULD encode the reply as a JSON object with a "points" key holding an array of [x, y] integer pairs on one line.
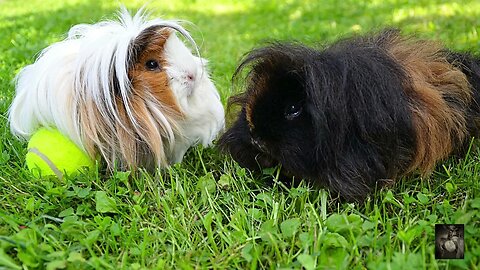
{"points": [[128, 90]]}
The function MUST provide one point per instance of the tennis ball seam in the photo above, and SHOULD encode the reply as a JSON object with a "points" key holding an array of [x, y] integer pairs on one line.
{"points": [[50, 164]]}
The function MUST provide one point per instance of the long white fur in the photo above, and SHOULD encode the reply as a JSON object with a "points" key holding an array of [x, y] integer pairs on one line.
{"points": [[77, 69]]}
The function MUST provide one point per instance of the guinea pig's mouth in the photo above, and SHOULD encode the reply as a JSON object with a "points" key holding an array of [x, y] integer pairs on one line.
{"points": [[265, 161], [190, 91], [259, 145]]}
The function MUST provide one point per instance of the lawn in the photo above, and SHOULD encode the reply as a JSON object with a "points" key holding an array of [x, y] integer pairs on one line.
{"points": [[207, 212]]}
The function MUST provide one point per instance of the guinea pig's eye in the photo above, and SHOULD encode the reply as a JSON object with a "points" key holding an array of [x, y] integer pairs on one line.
{"points": [[152, 65], [292, 111]]}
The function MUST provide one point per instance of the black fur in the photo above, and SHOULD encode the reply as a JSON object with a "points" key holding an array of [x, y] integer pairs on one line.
{"points": [[470, 66], [355, 130]]}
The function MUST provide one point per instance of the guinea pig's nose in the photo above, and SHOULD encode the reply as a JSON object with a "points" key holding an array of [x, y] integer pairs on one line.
{"points": [[190, 76]]}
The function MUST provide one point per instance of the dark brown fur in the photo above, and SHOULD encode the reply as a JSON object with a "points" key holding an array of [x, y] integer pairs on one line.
{"points": [[366, 110]]}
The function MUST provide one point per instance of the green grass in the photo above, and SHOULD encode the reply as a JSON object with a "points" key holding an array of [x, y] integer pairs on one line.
{"points": [[208, 212]]}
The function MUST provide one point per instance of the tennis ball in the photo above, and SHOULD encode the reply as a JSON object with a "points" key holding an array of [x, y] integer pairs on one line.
{"points": [[51, 153]]}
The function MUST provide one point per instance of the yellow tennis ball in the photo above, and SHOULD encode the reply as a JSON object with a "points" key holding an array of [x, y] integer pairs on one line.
{"points": [[51, 153]]}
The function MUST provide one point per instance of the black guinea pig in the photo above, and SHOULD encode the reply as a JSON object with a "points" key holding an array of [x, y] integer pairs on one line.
{"points": [[357, 114]]}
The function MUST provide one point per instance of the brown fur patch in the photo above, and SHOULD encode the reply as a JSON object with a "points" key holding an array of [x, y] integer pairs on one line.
{"points": [[439, 93], [260, 84], [141, 140], [156, 82], [146, 83], [248, 116]]}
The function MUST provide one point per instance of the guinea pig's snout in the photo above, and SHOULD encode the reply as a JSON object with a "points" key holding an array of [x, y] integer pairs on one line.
{"points": [[189, 81], [189, 76]]}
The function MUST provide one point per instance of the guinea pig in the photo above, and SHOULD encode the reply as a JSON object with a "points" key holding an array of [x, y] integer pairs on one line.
{"points": [[129, 91], [354, 115]]}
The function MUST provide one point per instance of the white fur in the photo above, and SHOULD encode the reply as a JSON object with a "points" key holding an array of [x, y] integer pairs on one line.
{"points": [[77, 69], [196, 99]]}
